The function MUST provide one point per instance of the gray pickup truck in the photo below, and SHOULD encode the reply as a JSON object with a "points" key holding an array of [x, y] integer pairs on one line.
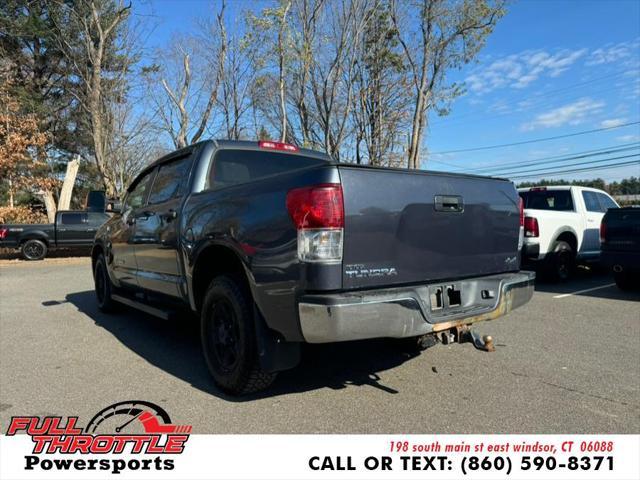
{"points": [[72, 228], [272, 246]]}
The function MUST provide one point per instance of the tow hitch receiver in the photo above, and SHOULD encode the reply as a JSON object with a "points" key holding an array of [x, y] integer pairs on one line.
{"points": [[465, 334]]}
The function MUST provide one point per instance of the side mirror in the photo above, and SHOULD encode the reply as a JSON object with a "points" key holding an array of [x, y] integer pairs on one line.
{"points": [[114, 207]]}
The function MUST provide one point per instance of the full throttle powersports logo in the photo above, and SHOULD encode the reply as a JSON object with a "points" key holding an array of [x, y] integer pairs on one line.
{"points": [[131, 427]]}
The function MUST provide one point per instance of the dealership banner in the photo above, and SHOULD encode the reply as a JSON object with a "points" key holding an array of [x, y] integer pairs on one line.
{"points": [[60, 449]]}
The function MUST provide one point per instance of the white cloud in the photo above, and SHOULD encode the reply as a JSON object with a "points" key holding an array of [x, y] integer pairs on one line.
{"points": [[628, 138], [570, 114], [521, 69], [612, 122], [613, 53]]}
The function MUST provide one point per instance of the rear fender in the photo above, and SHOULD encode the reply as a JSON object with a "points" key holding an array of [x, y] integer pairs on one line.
{"points": [[275, 354], [566, 229], [191, 260], [34, 235]]}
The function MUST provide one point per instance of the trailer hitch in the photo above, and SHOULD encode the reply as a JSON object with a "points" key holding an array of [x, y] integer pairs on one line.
{"points": [[465, 334]]}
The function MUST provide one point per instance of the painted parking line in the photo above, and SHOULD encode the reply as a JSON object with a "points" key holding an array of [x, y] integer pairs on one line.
{"points": [[584, 291]]}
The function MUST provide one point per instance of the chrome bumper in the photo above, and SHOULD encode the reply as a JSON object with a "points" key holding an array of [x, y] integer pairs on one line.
{"points": [[407, 312]]}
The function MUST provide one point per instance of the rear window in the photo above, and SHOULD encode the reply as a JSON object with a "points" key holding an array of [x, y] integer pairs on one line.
{"points": [[559, 200], [231, 167]]}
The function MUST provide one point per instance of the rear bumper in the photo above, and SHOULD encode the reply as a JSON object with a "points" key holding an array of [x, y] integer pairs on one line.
{"points": [[530, 252], [407, 311], [621, 261], [9, 244]]}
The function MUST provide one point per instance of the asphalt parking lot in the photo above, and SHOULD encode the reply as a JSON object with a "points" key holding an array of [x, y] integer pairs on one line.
{"points": [[569, 361]]}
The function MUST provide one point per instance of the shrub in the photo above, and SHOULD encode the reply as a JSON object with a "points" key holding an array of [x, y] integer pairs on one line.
{"points": [[21, 215]]}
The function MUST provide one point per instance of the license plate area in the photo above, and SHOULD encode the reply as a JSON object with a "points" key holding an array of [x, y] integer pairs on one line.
{"points": [[443, 297], [453, 298]]}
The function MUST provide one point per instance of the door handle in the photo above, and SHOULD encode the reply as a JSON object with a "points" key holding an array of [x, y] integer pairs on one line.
{"points": [[448, 203]]}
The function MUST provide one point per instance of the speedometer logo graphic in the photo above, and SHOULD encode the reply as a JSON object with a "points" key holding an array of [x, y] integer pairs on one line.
{"points": [[134, 417]]}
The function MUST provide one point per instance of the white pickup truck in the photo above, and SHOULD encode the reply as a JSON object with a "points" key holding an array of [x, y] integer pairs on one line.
{"points": [[562, 227]]}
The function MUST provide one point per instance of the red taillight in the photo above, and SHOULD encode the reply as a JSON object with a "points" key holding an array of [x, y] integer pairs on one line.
{"points": [[3, 233], [277, 146], [521, 206], [531, 227], [603, 232], [319, 206]]}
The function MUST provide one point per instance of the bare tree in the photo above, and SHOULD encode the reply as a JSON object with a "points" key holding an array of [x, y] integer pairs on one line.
{"points": [[310, 61], [334, 68], [189, 95], [92, 37], [382, 93], [354, 77], [305, 14], [239, 85], [271, 36], [437, 35], [282, 55], [131, 144]]}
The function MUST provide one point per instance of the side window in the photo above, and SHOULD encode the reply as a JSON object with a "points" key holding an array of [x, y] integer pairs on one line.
{"points": [[591, 201], [171, 180], [72, 218], [136, 197], [606, 202]]}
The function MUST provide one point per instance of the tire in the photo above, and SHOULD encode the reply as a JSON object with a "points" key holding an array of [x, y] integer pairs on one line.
{"points": [[561, 262], [227, 332], [34, 249], [103, 286], [624, 281]]}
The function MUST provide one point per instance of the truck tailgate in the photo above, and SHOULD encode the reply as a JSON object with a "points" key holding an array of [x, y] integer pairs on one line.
{"points": [[622, 230], [415, 226]]}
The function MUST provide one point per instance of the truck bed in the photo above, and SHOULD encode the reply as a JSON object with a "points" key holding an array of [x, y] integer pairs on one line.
{"points": [[17, 232]]}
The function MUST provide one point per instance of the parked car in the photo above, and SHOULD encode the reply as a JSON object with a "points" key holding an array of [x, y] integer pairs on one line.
{"points": [[562, 227], [71, 229], [620, 240], [272, 246]]}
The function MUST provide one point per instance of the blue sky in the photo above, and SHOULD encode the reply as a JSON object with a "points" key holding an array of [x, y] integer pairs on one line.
{"points": [[550, 68]]}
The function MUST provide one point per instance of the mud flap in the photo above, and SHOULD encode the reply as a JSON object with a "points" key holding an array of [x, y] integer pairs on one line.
{"points": [[274, 353]]}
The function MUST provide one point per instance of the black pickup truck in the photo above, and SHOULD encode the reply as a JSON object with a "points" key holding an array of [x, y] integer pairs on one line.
{"points": [[620, 245], [71, 229], [272, 246]]}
